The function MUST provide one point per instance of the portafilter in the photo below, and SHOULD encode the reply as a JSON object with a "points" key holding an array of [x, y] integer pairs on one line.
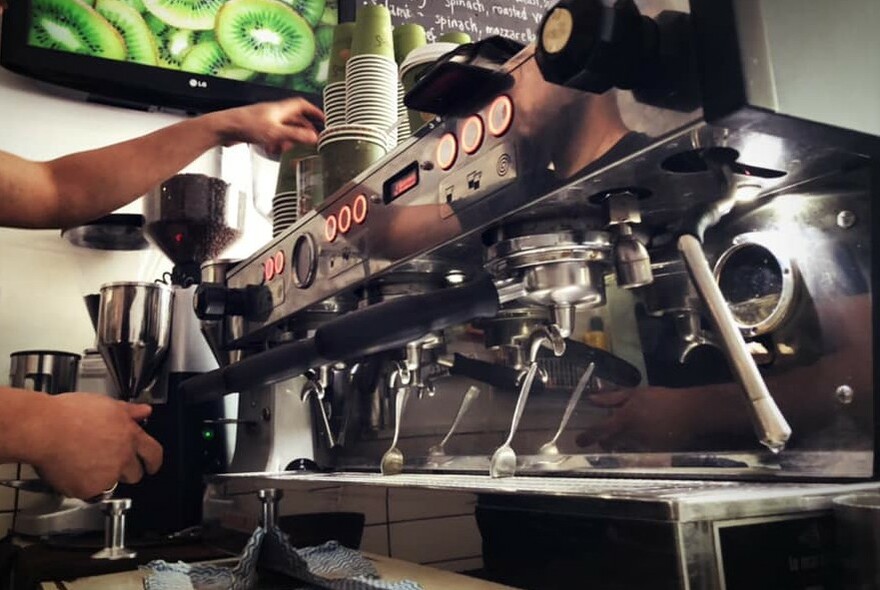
{"points": [[134, 328]]}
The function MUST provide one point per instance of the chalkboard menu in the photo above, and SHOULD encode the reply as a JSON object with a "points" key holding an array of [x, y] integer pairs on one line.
{"points": [[514, 19]]}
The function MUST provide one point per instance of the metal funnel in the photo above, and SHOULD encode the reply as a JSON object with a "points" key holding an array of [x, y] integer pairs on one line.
{"points": [[134, 329]]}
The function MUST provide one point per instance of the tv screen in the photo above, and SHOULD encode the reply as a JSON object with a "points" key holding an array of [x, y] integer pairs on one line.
{"points": [[191, 55]]}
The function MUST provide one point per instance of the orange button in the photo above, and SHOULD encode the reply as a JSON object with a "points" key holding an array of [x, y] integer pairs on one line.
{"points": [[447, 151], [344, 219], [472, 133], [331, 229], [269, 269], [359, 209], [500, 115], [279, 262]]}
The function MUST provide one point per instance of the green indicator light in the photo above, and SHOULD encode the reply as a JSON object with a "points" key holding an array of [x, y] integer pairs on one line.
{"points": [[208, 434]]}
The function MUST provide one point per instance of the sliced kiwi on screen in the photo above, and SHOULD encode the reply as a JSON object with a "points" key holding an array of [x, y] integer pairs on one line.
{"points": [[74, 26], [209, 59], [139, 41], [304, 83], [320, 67], [186, 14], [266, 36], [173, 43], [311, 10], [137, 5], [330, 16]]}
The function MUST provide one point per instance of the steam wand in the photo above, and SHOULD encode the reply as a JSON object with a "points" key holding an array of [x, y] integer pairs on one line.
{"points": [[770, 425], [317, 386]]}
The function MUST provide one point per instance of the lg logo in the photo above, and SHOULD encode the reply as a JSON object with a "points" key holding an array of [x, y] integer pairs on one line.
{"points": [[197, 83]]}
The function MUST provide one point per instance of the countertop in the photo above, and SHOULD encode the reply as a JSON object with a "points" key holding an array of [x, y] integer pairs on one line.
{"points": [[390, 569]]}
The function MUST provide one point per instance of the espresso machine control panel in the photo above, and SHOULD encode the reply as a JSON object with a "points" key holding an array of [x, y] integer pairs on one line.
{"points": [[370, 225]]}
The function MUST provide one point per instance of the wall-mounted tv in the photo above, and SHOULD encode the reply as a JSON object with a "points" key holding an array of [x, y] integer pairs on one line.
{"points": [[190, 55]]}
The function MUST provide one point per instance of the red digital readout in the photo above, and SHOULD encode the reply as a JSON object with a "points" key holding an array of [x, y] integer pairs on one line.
{"points": [[404, 183]]}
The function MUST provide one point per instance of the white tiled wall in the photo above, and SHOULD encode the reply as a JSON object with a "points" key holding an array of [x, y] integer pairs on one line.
{"points": [[421, 526]]}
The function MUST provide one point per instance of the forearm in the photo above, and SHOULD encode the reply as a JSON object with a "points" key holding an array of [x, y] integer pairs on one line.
{"points": [[94, 183], [22, 432]]}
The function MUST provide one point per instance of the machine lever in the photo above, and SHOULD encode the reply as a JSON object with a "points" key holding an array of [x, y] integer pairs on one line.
{"points": [[377, 328], [498, 376], [609, 367], [770, 425], [316, 390], [397, 322]]}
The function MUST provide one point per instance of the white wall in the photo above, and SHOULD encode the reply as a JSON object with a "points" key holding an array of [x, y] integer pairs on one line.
{"points": [[42, 277]]}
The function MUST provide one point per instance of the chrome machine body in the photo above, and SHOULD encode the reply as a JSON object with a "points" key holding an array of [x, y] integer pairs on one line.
{"points": [[720, 238]]}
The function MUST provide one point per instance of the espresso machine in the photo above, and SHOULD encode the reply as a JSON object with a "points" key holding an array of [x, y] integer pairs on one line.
{"points": [[663, 170]]}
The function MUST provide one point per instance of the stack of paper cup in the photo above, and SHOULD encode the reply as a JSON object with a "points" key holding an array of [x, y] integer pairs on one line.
{"points": [[334, 104], [285, 211], [406, 38], [371, 72], [334, 91], [347, 150]]}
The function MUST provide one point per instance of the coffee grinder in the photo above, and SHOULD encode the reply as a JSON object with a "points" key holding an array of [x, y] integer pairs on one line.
{"points": [[151, 341]]}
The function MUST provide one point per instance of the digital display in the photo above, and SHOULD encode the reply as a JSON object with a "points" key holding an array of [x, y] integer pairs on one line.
{"points": [[280, 44], [401, 183]]}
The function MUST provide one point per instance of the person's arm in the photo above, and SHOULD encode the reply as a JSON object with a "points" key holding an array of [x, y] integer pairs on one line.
{"points": [[80, 443], [83, 186]]}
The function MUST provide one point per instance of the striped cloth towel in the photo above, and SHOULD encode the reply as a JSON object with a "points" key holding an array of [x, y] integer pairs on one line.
{"points": [[329, 566]]}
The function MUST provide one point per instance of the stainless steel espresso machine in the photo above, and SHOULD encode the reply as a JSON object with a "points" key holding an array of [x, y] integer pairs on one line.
{"points": [[677, 174]]}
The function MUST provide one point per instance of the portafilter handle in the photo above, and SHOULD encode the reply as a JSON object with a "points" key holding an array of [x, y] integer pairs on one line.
{"points": [[769, 423]]}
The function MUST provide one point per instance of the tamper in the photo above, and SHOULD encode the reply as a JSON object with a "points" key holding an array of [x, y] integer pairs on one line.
{"points": [[114, 530]]}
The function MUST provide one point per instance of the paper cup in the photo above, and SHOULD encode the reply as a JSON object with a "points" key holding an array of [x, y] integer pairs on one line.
{"points": [[346, 158], [406, 38], [340, 51], [373, 32], [457, 37]]}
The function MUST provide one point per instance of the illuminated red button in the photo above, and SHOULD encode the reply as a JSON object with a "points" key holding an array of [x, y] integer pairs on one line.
{"points": [[472, 133], [279, 262], [331, 228], [269, 269], [344, 219], [500, 115], [359, 209], [447, 151]]}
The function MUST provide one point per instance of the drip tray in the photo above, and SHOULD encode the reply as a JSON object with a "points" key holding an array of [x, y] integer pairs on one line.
{"points": [[668, 500]]}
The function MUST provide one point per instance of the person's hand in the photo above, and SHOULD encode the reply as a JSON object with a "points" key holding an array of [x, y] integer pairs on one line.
{"points": [[660, 418], [276, 126], [90, 442]]}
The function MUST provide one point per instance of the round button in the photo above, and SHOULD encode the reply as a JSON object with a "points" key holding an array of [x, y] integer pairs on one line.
{"points": [[269, 269], [279, 262], [447, 151], [500, 115], [344, 217], [331, 228], [305, 261], [472, 133], [359, 209]]}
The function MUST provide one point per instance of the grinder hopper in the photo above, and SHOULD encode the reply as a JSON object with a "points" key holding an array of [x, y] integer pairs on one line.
{"points": [[193, 218]]}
